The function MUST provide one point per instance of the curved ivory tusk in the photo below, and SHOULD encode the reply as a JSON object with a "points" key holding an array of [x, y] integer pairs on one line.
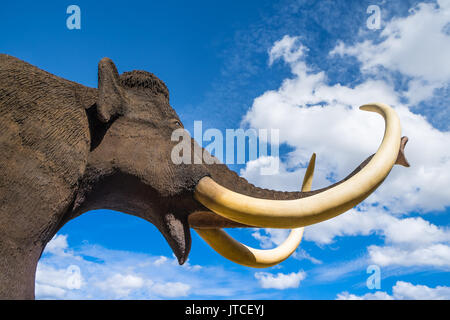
{"points": [[309, 174], [237, 252], [318, 207]]}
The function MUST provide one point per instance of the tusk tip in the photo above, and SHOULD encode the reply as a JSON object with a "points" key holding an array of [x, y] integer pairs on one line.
{"points": [[366, 107], [374, 107], [401, 158]]}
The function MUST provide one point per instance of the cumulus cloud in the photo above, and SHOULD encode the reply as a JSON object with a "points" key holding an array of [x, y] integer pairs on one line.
{"points": [[171, 289], [45, 291], [161, 260], [288, 48], [378, 295], [57, 283], [408, 241], [306, 103], [315, 116], [268, 238], [371, 220], [94, 272], [122, 285], [437, 255], [301, 254], [403, 291], [58, 246], [417, 46], [285, 179], [280, 280]]}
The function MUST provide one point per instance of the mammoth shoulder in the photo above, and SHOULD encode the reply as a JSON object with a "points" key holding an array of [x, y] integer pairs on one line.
{"points": [[43, 117], [21, 82]]}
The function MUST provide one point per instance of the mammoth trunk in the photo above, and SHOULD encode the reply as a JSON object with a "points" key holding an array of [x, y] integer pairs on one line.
{"points": [[178, 235]]}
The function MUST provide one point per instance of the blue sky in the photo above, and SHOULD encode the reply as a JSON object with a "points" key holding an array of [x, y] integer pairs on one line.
{"points": [[299, 66]]}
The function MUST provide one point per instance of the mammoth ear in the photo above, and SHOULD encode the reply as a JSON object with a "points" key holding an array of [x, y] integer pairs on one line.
{"points": [[111, 95]]}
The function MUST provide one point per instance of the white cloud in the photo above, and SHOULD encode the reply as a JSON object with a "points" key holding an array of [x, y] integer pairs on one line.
{"points": [[161, 260], [44, 291], [287, 48], [437, 255], [301, 254], [378, 295], [56, 283], [313, 116], [285, 179], [280, 280], [171, 289], [371, 220], [114, 274], [273, 237], [58, 246], [408, 241], [417, 46], [403, 291], [413, 232], [351, 223], [121, 285], [269, 238], [53, 283]]}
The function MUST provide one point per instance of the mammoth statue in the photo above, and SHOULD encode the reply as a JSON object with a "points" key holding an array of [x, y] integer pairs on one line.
{"points": [[67, 149]]}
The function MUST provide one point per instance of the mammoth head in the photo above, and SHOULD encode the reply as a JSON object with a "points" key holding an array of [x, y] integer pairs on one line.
{"points": [[130, 169], [120, 95], [136, 122]]}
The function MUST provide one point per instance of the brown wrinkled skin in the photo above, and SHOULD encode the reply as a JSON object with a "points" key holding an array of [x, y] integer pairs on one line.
{"points": [[68, 149]]}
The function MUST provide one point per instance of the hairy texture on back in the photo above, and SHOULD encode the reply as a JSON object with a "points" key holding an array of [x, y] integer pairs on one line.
{"points": [[44, 143]]}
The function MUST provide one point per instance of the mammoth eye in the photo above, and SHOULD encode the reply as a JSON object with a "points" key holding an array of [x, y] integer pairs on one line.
{"points": [[176, 123]]}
